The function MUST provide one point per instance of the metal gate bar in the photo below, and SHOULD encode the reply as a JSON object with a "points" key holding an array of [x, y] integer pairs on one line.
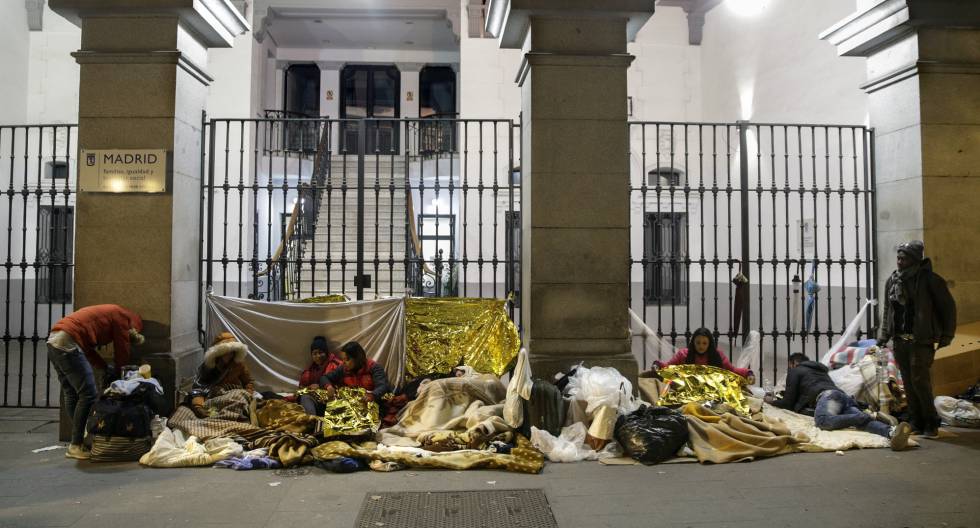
{"points": [[37, 200], [748, 193]]}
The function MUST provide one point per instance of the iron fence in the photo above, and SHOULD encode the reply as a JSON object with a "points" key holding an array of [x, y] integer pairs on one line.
{"points": [[787, 206], [37, 184], [425, 208]]}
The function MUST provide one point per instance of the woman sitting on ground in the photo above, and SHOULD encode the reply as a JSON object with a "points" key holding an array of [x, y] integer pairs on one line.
{"points": [[705, 352], [357, 371], [223, 369], [323, 361]]}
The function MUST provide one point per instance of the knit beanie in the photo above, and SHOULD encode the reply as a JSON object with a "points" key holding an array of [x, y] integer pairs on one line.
{"points": [[913, 249], [319, 343]]}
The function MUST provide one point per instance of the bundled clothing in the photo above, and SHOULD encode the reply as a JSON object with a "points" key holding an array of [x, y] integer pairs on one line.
{"points": [[919, 313], [683, 357], [370, 377]]}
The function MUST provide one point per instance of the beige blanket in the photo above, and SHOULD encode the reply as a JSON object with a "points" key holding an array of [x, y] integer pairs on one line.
{"points": [[721, 438], [820, 440], [470, 404]]}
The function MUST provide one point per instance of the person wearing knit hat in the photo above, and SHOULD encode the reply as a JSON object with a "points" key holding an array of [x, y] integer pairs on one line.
{"points": [[323, 361], [223, 369], [919, 318]]}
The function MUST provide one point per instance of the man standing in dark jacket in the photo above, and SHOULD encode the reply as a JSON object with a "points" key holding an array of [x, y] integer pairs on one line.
{"points": [[920, 318], [809, 385]]}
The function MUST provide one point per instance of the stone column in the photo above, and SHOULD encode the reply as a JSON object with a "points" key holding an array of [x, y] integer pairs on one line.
{"points": [[143, 86], [575, 176], [330, 96], [409, 88], [923, 60]]}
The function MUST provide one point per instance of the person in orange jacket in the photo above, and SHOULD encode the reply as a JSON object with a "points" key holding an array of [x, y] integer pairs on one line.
{"points": [[72, 345]]}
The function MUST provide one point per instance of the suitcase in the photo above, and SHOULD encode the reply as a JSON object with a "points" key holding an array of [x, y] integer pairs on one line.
{"points": [[545, 410]]}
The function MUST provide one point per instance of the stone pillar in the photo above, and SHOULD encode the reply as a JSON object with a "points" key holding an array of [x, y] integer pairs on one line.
{"points": [[409, 88], [330, 96], [143, 86], [923, 60], [575, 176]]}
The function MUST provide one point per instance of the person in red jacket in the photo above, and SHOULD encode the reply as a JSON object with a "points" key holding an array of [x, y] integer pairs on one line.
{"points": [[705, 352], [323, 361], [71, 351], [358, 371]]}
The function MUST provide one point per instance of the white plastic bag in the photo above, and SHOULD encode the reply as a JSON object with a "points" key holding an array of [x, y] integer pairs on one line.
{"points": [[600, 386], [958, 413], [748, 357], [518, 390], [570, 445], [848, 378]]}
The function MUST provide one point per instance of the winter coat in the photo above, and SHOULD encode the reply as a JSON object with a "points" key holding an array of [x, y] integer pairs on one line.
{"points": [[313, 373], [371, 377], [803, 384], [235, 374], [95, 326], [680, 358], [934, 318]]}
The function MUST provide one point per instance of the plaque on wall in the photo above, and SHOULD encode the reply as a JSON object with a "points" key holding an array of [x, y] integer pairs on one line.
{"points": [[123, 171]]}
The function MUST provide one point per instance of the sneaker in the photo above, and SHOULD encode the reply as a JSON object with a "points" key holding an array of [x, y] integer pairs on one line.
{"points": [[886, 418], [77, 452], [900, 436], [931, 433]]}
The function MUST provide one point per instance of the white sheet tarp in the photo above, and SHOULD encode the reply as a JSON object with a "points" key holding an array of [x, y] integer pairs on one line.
{"points": [[278, 334]]}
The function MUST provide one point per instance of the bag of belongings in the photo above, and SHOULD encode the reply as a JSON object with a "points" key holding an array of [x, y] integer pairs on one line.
{"points": [[652, 434], [545, 410], [120, 428]]}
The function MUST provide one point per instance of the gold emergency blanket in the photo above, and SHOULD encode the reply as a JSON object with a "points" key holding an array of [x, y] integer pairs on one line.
{"points": [[441, 333], [703, 383], [323, 299], [523, 458], [348, 414]]}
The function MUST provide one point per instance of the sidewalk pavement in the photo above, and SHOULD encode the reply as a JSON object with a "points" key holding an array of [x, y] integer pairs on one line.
{"points": [[933, 486]]}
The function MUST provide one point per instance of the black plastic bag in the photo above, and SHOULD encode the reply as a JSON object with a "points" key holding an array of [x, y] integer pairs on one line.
{"points": [[652, 434]]}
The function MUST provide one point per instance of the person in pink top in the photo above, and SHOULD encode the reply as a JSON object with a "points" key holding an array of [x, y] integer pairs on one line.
{"points": [[704, 352]]}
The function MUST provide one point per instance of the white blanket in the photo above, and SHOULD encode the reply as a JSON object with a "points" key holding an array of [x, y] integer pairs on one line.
{"points": [[278, 334], [172, 449], [820, 440]]}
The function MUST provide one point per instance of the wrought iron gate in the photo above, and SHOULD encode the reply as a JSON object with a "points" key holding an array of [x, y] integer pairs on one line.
{"points": [[788, 206], [293, 209], [37, 209]]}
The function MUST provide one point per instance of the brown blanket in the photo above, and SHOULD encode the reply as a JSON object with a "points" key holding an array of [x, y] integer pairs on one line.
{"points": [[721, 438]]}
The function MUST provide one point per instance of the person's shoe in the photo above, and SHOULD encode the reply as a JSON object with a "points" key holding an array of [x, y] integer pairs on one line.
{"points": [[886, 418], [931, 433], [78, 452], [900, 436]]}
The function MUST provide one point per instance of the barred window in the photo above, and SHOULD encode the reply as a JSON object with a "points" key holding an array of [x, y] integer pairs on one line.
{"points": [[55, 248], [664, 250]]}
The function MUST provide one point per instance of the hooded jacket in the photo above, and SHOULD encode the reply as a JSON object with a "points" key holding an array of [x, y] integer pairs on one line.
{"points": [[101, 324], [804, 383], [934, 310], [235, 374]]}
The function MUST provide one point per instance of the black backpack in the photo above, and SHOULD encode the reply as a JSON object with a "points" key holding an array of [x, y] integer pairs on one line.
{"points": [[112, 417]]}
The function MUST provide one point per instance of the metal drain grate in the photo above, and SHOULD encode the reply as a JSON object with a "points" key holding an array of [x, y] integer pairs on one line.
{"points": [[526, 508], [293, 472]]}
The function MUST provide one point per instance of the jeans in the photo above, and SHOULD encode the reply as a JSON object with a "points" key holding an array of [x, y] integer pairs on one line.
{"points": [[311, 406], [914, 361], [836, 410], [78, 390]]}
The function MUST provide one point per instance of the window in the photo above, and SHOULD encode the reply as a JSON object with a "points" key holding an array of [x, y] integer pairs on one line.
{"points": [[55, 252], [664, 249], [437, 100], [666, 177], [58, 170], [512, 242]]}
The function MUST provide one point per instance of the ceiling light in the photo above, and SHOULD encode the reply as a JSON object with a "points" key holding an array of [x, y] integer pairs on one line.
{"points": [[409, 42], [317, 21], [746, 7]]}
